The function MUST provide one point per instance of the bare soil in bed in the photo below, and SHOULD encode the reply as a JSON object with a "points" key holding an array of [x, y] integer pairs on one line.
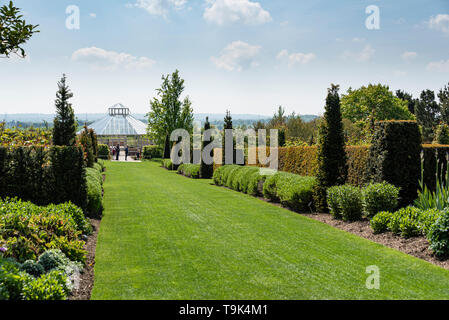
{"points": [[87, 277]]}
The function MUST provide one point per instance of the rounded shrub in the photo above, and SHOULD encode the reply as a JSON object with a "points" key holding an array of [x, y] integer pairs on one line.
{"points": [[379, 197], [379, 223], [404, 222], [427, 219], [438, 236], [52, 259], [33, 268], [350, 202]]}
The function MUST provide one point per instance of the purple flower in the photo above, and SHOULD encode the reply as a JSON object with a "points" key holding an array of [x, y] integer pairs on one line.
{"points": [[2, 249]]}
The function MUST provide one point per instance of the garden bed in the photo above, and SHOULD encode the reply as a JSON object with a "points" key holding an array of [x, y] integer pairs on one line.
{"points": [[87, 277], [416, 246]]}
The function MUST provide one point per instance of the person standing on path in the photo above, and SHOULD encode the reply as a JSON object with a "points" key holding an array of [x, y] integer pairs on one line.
{"points": [[117, 151], [126, 153]]}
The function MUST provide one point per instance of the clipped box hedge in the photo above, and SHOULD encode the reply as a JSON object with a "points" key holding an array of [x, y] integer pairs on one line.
{"points": [[190, 170], [43, 175]]}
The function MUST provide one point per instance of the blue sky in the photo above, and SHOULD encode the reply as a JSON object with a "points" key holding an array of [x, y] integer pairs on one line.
{"points": [[248, 56]]}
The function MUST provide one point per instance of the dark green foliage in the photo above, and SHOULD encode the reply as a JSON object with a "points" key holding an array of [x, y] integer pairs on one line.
{"points": [[438, 236], [152, 152], [443, 96], [94, 140], [86, 142], [206, 170], [281, 138], [345, 202], [379, 197], [14, 32], [69, 181], [394, 157], [94, 181], [228, 120], [427, 113], [33, 268], [332, 158], [43, 176], [104, 152], [407, 97], [167, 147], [433, 155], [64, 129]]}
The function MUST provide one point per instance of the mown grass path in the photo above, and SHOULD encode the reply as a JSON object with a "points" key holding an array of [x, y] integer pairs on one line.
{"points": [[164, 236]]}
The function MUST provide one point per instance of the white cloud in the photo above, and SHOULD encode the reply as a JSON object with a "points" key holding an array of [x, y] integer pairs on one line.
{"points": [[295, 58], [237, 56], [110, 60], [440, 22], [409, 55], [358, 40], [158, 7], [232, 11], [92, 15], [439, 66], [365, 55]]}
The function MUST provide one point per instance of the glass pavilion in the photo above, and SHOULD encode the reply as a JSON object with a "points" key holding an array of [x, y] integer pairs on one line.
{"points": [[120, 127]]}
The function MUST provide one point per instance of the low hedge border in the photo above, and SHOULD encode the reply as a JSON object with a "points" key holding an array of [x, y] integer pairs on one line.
{"points": [[190, 170]]}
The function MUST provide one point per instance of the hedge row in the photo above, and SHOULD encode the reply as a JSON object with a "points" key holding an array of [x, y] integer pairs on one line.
{"points": [[293, 191], [190, 170], [244, 179], [94, 180], [152, 152], [43, 176], [302, 161]]}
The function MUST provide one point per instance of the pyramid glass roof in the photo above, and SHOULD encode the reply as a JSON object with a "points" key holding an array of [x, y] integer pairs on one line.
{"points": [[119, 122]]}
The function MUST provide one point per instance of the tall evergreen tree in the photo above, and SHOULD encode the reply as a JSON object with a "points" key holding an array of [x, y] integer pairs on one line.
{"points": [[64, 129], [206, 170], [443, 96], [427, 113], [332, 158], [228, 120], [227, 125]]}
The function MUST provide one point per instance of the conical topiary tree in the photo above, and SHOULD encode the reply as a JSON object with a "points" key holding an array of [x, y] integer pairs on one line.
{"points": [[206, 170], [332, 158], [64, 130]]}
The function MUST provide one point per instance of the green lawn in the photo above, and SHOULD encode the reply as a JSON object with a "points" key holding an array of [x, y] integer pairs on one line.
{"points": [[164, 236]]}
